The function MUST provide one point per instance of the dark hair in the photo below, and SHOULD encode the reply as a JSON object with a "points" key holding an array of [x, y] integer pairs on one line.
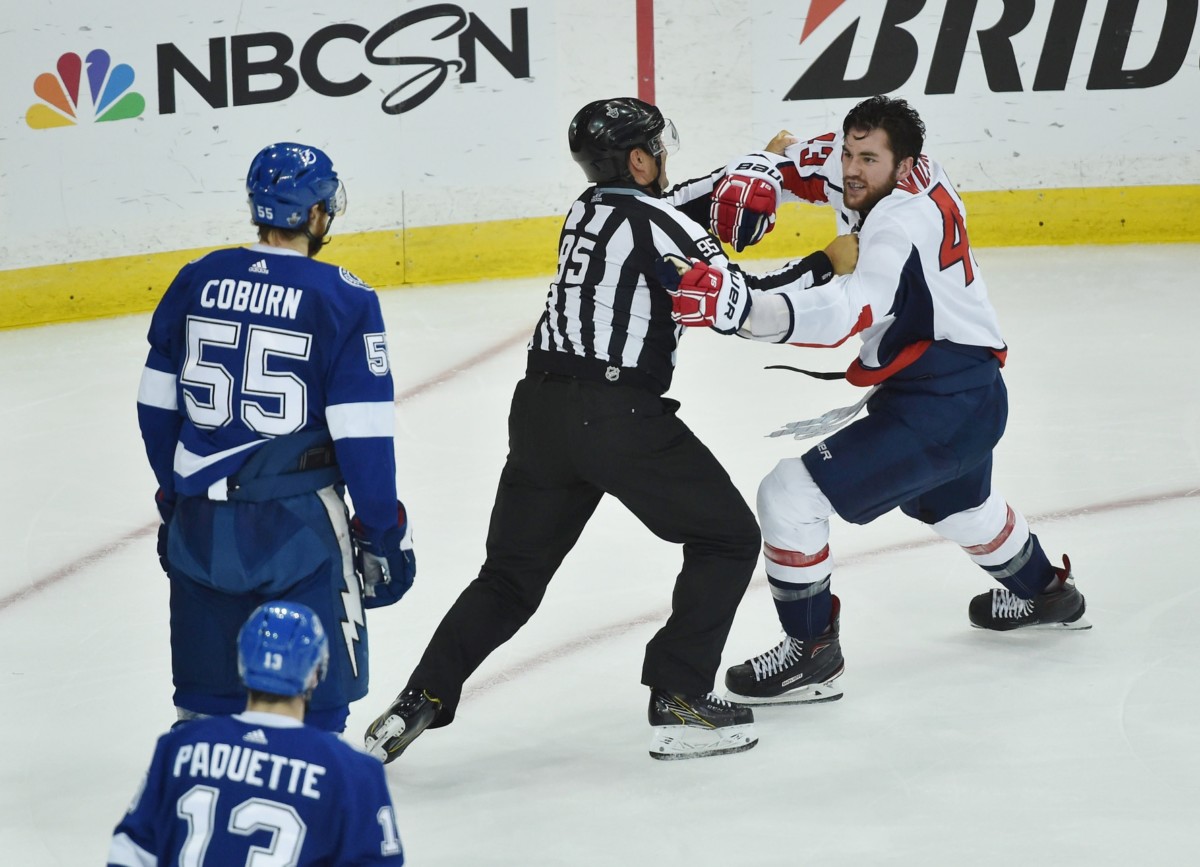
{"points": [[264, 231], [260, 697], [905, 131]]}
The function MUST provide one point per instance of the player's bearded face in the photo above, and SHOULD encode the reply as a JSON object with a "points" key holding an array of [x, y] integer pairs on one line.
{"points": [[869, 169], [315, 244]]}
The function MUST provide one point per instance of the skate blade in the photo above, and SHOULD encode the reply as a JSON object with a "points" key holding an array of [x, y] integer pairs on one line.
{"points": [[811, 694], [670, 743], [1080, 622], [381, 734]]}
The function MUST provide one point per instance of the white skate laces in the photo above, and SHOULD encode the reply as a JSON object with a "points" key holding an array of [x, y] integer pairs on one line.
{"points": [[778, 658], [1009, 606]]}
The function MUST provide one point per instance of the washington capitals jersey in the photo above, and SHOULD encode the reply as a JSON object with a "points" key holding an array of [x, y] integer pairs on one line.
{"points": [[916, 281], [257, 788], [254, 344]]}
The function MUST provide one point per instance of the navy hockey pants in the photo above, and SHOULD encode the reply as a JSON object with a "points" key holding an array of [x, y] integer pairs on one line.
{"points": [[930, 454], [227, 558]]}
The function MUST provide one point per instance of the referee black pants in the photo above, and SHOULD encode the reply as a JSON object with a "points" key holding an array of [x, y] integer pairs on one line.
{"points": [[570, 442]]}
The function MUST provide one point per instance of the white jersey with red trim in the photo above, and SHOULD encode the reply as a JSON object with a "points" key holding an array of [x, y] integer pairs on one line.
{"points": [[916, 281]]}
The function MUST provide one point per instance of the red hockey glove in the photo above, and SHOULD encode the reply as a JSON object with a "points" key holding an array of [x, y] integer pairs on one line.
{"points": [[744, 201], [707, 295]]}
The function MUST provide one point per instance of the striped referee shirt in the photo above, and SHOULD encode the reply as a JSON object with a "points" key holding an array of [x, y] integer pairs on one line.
{"points": [[608, 314]]}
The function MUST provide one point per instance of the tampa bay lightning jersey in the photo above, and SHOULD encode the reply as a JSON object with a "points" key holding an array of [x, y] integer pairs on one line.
{"points": [[254, 788], [254, 344]]}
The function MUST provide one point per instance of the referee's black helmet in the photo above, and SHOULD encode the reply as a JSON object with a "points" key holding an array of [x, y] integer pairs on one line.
{"points": [[603, 132]]}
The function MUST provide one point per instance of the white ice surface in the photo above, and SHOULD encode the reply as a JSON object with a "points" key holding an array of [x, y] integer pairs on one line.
{"points": [[951, 745]]}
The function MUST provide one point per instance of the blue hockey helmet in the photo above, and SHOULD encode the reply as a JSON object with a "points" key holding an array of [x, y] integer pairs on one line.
{"points": [[282, 649], [603, 132], [286, 179]]}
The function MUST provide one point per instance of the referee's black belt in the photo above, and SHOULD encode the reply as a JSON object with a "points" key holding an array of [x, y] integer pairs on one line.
{"points": [[555, 365]]}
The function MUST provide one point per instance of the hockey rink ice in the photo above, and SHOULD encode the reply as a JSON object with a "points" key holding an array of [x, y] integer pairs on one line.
{"points": [[951, 745]]}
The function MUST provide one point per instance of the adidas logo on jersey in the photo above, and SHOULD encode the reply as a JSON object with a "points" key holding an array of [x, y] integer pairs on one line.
{"points": [[258, 736], [259, 267]]}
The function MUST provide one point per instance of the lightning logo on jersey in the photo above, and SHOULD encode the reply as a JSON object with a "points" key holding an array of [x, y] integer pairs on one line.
{"points": [[355, 617], [352, 606]]}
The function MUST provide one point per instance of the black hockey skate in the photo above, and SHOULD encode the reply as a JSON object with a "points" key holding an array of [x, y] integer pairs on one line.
{"points": [[795, 671], [1001, 609], [691, 726], [398, 726]]}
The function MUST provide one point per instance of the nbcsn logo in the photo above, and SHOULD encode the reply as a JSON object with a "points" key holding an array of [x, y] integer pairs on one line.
{"points": [[107, 85]]}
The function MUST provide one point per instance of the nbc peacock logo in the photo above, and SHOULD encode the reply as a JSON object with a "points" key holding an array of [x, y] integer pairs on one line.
{"points": [[109, 96]]}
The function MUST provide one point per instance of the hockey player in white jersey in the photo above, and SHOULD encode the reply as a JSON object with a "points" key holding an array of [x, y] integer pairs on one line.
{"points": [[931, 353]]}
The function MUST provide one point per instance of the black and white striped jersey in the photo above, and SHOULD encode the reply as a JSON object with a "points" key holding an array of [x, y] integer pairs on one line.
{"points": [[608, 316]]}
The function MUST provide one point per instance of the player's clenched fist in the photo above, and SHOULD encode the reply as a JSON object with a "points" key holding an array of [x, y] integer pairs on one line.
{"points": [[744, 201], [704, 294], [843, 253]]}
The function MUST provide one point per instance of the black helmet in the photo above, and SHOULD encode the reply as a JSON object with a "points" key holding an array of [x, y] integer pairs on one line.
{"points": [[603, 132]]}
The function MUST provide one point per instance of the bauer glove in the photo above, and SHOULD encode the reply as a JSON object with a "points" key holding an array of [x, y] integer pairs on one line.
{"points": [[743, 203], [705, 293]]}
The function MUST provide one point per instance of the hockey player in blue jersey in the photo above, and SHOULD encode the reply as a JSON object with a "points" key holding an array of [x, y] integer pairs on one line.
{"points": [[230, 790], [266, 396]]}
